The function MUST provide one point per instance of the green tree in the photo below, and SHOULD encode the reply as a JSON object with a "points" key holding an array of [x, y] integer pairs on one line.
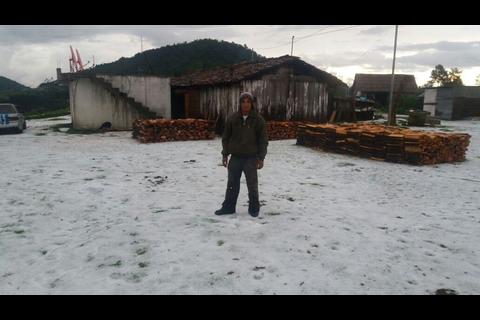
{"points": [[439, 76], [477, 82], [442, 77], [454, 77]]}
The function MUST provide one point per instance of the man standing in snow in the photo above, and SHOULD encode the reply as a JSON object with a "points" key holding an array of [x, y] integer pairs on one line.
{"points": [[245, 139]]}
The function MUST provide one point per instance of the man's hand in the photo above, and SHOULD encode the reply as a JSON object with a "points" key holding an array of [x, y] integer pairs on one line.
{"points": [[259, 164], [225, 161]]}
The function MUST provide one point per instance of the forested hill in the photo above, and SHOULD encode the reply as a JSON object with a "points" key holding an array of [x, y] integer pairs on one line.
{"points": [[178, 59], [171, 60], [7, 85]]}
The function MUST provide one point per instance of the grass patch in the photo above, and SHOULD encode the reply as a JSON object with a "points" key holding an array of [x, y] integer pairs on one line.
{"points": [[141, 251], [82, 131], [40, 134], [71, 130], [220, 243], [47, 114], [19, 231], [57, 127], [273, 213], [118, 263], [135, 277]]}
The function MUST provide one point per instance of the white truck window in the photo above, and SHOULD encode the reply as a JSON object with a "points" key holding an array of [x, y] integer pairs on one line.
{"points": [[6, 108]]}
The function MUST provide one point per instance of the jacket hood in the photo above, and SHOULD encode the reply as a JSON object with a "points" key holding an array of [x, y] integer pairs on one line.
{"points": [[253, 110]]}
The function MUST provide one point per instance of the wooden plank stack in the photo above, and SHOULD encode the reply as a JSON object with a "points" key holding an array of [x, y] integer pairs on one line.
{"points": [[281, 130], [162, 130], [386, 143]]}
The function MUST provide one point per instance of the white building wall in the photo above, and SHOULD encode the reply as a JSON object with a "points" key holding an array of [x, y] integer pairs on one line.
{"points": [[429, 108], [430, 101], [153, 92], [430, 96], [91, 105]]}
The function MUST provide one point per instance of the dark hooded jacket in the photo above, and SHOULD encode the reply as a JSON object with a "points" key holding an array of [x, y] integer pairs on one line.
{"points": [[247, 139]]}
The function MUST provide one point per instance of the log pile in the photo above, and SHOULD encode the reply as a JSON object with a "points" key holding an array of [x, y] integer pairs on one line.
{"points": [[386, 143], [281, 130], [162, 130]]}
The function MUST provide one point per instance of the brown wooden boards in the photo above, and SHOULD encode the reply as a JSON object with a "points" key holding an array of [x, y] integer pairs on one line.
{"points": [[281, 130], [162, 130], [387, 143]]}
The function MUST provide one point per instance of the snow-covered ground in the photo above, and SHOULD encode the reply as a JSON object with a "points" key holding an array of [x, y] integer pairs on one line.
{"points": [[103, 214]]}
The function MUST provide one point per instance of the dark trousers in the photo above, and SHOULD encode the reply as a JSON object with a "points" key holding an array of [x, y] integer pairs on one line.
{"points": [[236, 166]]}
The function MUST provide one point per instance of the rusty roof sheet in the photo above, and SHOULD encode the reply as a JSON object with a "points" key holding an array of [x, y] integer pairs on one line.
{"points": [[247, 70], [381, 83]]}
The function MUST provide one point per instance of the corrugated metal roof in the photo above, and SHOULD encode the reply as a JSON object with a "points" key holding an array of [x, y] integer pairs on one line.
{"points": [[247, 70], [381, 83]]}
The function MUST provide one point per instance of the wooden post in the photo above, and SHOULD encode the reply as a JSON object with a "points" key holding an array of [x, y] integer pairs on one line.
{"points": [[392, 121]]}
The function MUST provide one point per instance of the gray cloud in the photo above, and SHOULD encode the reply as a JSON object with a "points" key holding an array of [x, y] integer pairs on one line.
{"points": [[31, 53], [450, 54], [158, 35], [376, 30], [440, 46]]}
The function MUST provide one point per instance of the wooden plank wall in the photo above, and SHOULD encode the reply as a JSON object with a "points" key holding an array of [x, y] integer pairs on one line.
{"points": [[219, 101], [277, 99]]}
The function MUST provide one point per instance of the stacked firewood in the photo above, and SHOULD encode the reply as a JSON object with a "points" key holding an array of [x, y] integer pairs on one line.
{"points": [[281, 130], [386, 143], [162, 130]]}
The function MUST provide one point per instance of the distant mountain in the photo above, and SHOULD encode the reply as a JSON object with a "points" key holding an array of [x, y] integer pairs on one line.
{"points": [[171, 60], [41, 99], [7, 85], [178, 59]]}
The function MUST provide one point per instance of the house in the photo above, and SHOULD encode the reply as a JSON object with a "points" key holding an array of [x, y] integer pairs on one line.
{"points": [[452, 103], [377, 86], [286, 88], [118, 99]]}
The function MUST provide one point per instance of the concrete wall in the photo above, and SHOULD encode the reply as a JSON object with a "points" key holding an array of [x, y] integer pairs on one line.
{"points": [[430, 101], [430, 96], [153, 92], [452, 103], [444, 103], [91, 105], [466, 92]]}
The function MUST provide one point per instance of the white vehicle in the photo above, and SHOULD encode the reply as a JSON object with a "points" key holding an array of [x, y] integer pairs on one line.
{"points": [[11, 119]]}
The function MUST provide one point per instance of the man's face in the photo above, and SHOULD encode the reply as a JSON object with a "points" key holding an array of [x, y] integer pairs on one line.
{"points": [[246, 105]]}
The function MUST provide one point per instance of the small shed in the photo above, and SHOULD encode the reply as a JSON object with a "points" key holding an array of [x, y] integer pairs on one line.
{"points": [[452, 103], [377, 86], [286, 88]]}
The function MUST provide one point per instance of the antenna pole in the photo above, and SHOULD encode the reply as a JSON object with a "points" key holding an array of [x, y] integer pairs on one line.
{"points": [[291, 50]]}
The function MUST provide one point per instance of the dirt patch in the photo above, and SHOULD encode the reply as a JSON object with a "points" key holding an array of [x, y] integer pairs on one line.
{"points": [[446, 292]]}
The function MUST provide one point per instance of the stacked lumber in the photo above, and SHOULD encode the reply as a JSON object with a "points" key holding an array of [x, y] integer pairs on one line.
{"points": [[386, 143], [281, 130], [162, 130]]}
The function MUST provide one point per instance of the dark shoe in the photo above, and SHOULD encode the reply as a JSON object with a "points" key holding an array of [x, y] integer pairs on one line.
{"points": [[253, 211], [223, 211]]}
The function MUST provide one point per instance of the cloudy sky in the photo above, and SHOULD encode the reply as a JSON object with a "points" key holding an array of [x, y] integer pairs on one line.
{"points": [[30, 54]]}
